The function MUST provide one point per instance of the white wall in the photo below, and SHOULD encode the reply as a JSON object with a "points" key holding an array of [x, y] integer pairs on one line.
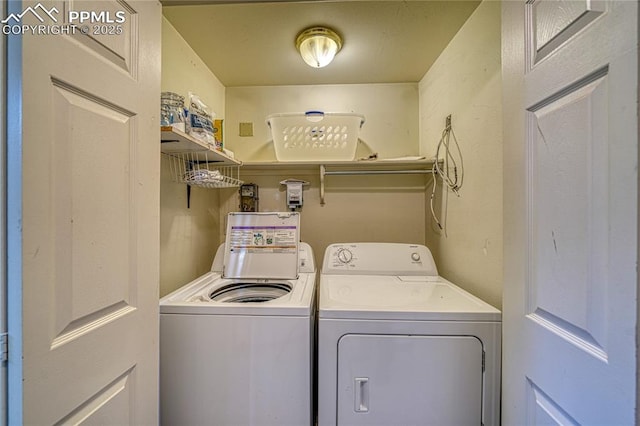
{"points": [[184, 71], [465, 82], [390, 110], [358, 208], [388, 208], [188, 236]]}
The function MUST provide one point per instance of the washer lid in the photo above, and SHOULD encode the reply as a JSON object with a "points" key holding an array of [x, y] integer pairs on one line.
{"points": [[262, 245]]}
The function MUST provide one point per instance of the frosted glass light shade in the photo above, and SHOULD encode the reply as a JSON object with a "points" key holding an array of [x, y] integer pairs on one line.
{"points": [[318, 46]]}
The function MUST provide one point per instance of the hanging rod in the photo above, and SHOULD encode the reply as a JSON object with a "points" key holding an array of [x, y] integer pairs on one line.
{"points": [[376, 172], [324, 172]]}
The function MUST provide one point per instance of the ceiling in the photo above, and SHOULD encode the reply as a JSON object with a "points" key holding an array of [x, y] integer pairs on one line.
{"points": [[252, 43]]}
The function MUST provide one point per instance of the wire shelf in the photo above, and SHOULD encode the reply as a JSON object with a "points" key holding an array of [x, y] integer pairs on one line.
{"points": [[196, 169]]}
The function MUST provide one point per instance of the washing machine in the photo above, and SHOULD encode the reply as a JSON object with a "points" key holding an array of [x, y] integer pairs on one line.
{"points": [[237, 343], [400, 345]]}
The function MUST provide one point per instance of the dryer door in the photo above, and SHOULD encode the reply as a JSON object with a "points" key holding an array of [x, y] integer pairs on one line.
{"points": [[409, 380]]}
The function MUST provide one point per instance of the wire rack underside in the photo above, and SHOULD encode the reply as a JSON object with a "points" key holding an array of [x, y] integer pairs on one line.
{"points": [[194, 170]]}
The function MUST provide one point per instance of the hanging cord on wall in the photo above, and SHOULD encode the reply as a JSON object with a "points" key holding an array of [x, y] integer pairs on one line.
{"points": [[450, 169]]}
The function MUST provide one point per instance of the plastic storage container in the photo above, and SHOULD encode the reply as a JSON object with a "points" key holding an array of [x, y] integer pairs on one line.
{"points": [[315, 135]]}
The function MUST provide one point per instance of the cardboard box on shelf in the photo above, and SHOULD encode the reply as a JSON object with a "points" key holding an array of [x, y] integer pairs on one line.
{"points": [[217, 134]]}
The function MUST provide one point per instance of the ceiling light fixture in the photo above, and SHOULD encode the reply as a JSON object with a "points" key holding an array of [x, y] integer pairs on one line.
{"points": [[318, 46]]}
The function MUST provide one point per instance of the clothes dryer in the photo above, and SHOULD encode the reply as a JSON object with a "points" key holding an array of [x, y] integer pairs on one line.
{"points": [[400, 345], [236, 344]]}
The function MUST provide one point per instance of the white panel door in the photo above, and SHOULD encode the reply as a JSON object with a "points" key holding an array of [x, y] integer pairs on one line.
{"points": [[571, 195], [409, 380], [84, 306]]}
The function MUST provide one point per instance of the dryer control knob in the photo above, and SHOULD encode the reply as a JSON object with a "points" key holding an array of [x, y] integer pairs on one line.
{"points": [[345, 256], [415, 256]]}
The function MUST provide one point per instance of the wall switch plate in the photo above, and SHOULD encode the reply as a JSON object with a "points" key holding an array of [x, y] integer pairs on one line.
{"points": [[246, 129]]}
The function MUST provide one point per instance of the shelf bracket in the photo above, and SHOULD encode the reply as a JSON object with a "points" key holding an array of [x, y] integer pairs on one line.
{"points": [[322, 173]]}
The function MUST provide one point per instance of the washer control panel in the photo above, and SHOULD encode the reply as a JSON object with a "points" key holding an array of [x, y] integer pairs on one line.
{"points": [[344, 255], [305, 258], [378, 259]]}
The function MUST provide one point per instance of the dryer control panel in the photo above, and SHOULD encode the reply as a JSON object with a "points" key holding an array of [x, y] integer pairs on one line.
{"points": [[378, 259]]}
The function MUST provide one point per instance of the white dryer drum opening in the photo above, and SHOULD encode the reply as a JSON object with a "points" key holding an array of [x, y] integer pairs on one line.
{"points": [[247, 292]]}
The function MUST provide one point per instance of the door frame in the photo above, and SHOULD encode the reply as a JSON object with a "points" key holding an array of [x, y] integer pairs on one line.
{"points": [[3, 223], [12, 213]]}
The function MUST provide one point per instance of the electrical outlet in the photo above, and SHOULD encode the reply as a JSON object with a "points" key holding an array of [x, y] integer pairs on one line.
{"points": [[246, 129]]}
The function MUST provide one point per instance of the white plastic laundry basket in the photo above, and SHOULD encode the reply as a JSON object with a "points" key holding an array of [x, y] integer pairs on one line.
{"points": [[315, 135]]}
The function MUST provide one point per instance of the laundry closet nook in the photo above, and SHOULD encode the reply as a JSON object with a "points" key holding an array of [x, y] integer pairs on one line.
{"points": [[485, 217], [453, 68]]}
